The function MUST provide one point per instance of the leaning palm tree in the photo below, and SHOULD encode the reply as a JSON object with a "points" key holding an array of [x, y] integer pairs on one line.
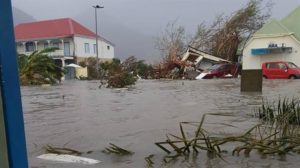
{"points": [[38, 68]]}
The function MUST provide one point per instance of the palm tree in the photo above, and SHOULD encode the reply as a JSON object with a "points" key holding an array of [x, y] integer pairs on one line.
{"points": [[38, 68]]}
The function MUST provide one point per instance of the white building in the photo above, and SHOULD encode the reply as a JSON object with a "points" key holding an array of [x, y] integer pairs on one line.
{"points": [[75, 42], [278, 40]]}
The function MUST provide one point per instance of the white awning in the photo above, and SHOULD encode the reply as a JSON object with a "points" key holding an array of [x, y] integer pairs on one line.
{"points": [[73, 65]]}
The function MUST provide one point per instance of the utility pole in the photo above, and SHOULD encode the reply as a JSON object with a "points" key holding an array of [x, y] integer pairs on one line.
{"points": [[96, 27]]}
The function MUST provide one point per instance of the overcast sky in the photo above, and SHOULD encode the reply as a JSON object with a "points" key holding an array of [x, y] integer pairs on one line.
{"points": [[146, 16], [133, 25]]}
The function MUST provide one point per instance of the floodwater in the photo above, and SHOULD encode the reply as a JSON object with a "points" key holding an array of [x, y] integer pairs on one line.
{"points": [[79, 115]]}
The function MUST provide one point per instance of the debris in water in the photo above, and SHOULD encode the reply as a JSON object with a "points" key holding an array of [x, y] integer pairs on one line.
{"points": [[117, 150], [276, 137], [68, 158], [149, 161], [60, 151]]}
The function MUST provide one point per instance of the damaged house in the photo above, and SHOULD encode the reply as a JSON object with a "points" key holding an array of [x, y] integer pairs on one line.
{"points": [[200, 59]]}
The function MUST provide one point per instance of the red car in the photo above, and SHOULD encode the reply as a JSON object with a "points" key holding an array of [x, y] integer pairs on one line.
{"points": [[221, 71], [280, 70]]}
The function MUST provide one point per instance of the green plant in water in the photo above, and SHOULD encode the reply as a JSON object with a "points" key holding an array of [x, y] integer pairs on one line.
{"points": [[122, 79], [284, 110], [117, 150], [276, 137], [61, 151], [183, 145], [149, 161]]}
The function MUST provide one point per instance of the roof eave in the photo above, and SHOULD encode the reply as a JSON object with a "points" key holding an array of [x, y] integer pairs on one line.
{"points": [[43, 38]]}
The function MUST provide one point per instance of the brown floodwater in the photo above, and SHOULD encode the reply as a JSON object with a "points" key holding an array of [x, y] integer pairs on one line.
{"points": [[79, 115]]}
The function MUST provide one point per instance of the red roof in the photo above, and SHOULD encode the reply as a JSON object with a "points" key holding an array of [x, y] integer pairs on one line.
{"points": [[49, 29]]}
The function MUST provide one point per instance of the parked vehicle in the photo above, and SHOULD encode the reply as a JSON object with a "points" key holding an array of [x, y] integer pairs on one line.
{"points": [[280, 70], [223, 70]]}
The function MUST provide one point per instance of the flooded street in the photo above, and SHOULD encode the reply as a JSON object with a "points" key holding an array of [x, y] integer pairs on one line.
{"points": [[80, 116]]}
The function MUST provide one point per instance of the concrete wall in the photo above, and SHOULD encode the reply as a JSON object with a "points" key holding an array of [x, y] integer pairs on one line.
{"points": [[255, 61], [104, 52]]}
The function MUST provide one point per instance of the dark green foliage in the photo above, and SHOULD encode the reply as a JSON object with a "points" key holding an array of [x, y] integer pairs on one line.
{"points": [[109, 68], [22, 62], [124, 74], [91, 64], [121, 79], [38, 68], [118, 74], [82, 64], [145, 71], [285, 110]]}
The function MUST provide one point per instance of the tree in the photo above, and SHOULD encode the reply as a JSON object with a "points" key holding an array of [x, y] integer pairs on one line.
{"points": [[91, 63], [38, 68], [172, 42], [122, 74], [224, 36]]}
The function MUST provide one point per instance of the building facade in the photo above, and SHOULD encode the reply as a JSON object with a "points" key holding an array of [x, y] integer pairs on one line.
{"points": [[74, 41], [278, 40]]}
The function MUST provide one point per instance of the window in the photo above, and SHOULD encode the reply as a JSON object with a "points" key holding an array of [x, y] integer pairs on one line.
{"points": [[108, 47], [30, 46], [86, 47], [67, 49], [273, 66], [282, 66], [95, 48], [292, 65]]}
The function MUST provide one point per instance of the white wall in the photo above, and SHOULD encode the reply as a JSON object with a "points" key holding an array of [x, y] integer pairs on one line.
{"points": [[40, 46], [103, 51], [255, 61]]}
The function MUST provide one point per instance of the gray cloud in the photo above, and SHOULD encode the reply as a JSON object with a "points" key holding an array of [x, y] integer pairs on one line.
{"points": [[145, 17]]}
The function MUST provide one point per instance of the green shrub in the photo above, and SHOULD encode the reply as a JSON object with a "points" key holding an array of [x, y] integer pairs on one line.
{"points": [[120, 80]]}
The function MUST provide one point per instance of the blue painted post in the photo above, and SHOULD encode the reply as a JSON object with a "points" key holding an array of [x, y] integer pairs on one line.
{"points": [[10, 91]]}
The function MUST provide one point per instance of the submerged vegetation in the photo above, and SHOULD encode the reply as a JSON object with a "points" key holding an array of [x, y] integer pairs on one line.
{"points": [[62, 151], [38, 68], [114, 149], [285, 110], [277, 134], [118, 74]]}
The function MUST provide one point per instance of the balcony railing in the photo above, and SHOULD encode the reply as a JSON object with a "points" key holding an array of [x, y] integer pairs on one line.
{"points": [[57, 53]]}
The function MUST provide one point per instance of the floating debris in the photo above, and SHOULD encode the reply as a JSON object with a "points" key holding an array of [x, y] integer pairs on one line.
{"points": [[117, 150], [277, 137], [149, 161], [60, 151], [68, 159]]}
